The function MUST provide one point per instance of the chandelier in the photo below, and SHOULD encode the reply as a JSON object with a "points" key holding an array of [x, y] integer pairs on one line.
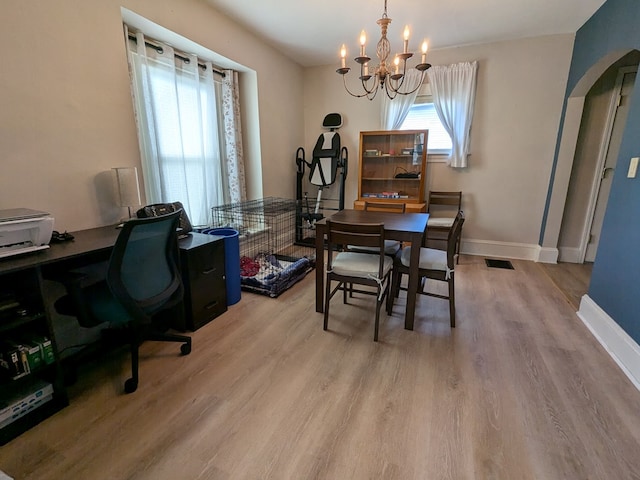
{"points": [[385, 76]]}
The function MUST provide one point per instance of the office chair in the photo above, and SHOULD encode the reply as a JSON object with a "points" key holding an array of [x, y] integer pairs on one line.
{"points": [[442, 208], [434, 264], [143, 278], [349, 268]]}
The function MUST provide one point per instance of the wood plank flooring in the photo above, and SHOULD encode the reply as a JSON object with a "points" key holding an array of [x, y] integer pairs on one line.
{"points": [[571, 278], [518, 390]]}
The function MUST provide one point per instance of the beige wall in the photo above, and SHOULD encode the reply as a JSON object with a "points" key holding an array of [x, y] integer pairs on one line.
{"points": [[66, 115], [519, 99]]}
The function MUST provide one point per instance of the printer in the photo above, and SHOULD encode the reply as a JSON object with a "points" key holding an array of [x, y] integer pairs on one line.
{"points": [[24, 230]]}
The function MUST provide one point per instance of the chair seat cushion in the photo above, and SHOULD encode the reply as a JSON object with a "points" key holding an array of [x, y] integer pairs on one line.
{"points": [[446, 222], [430, 258], [391, 247], [363, 265], [104, 306]]}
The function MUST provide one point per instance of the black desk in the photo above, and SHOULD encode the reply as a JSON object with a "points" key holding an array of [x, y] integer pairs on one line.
{"points": [[23, 275], [87, 244]]}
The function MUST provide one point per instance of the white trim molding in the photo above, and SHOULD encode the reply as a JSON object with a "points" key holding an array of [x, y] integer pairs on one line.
{"points": [[620, 346], [547, 255], [517, 251], [571, 255]]}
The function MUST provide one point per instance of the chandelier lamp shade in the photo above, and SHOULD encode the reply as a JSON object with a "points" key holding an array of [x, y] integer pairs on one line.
{"points": [[385, 76]]}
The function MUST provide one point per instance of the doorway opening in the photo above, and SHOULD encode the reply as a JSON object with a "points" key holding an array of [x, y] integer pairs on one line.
{"points": [[602, 124], [588, 137]]}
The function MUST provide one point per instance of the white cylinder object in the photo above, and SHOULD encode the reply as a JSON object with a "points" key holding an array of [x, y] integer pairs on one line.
{"points": [[127, 190]]}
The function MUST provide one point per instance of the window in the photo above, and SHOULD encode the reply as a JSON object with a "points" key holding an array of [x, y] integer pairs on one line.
{"points": [[422, 115], [178, 102], [189, 145]]}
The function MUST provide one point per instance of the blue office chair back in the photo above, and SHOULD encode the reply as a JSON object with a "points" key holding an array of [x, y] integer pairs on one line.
{"points": [[143, 271]]}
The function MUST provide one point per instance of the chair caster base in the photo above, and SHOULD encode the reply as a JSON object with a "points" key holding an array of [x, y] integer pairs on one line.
{"points": [[185, 348], [130, 386]]}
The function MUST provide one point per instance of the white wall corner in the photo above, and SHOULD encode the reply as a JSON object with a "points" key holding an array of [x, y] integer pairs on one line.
{"points": [[620, 346]]}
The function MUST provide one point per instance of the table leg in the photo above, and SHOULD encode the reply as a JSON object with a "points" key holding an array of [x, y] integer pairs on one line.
{"points": [[319, 269], [414, 279]]}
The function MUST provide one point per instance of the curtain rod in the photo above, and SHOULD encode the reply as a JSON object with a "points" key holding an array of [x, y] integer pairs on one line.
{"points": [[159, 49]]}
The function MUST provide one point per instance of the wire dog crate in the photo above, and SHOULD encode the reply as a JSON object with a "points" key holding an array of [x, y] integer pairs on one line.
{"points": [[267, 225]]}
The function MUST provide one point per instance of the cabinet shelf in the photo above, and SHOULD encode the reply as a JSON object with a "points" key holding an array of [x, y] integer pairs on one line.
{"points": [[383, 155], [393, 179], [31, 383], [12, 323]]}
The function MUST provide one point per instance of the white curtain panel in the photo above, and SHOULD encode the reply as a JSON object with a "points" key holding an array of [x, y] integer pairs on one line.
{"points": [[233, 137], [394, 111], [179, 128], [454, 90]]}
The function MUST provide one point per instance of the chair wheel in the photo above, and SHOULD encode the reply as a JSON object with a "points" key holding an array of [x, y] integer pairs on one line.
{"points": [[130, 386], [185, 348]]}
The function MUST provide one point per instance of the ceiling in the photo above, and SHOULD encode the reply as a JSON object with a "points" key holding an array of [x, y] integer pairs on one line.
{"points": [[312, 31]]}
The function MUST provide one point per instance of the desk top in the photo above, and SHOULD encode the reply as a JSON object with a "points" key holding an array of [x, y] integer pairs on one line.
{"points": [[85, 241], [97, 241]]}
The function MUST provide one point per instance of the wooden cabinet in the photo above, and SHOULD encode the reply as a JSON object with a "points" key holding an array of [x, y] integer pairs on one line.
{"points": [[31, 384], [203, 276], [393, 167]]}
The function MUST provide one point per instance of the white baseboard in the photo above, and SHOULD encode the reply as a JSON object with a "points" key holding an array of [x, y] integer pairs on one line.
{"points": [[518, 251], [547, 255], [622, 348], [570, 255]]}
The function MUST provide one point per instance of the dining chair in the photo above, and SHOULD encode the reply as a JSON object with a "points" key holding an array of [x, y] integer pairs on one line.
{"points": [[350, 268], [391, 247], [434, 264], [142, 279], [442, 208]]}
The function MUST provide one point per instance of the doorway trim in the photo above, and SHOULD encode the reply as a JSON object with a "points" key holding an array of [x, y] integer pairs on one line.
{"points": [[602, 156], [574, 107]]}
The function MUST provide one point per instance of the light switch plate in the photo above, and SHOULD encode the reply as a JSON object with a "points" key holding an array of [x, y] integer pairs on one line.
{"points": [[633, 167]]}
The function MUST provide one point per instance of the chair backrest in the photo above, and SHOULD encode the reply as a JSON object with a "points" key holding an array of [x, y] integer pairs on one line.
{"points": [[357, 235], [444, 201], [143, 271], [391, 207], [453, 238]]}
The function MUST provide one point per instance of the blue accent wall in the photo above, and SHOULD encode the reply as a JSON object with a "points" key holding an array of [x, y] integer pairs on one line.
{"points": [[615, 281]]}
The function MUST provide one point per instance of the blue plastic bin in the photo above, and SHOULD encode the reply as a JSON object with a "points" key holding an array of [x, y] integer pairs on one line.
{"points": [[231, 261]]}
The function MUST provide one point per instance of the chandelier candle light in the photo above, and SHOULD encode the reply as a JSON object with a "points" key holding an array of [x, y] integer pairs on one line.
{"points": [[383, 76]]}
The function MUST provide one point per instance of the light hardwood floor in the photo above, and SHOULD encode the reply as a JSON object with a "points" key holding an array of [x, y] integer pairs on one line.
{"points": [[571, 278], [518, 390]]}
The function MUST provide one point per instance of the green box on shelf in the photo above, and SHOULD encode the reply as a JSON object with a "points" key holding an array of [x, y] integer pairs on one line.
{"points": [[34, 355]]}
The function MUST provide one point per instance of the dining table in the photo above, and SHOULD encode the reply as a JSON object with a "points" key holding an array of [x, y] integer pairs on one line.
{"points": [[405, 227]]}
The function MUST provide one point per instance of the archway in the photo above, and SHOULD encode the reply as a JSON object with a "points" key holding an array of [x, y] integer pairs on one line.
{"points": [[566, 153]]}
